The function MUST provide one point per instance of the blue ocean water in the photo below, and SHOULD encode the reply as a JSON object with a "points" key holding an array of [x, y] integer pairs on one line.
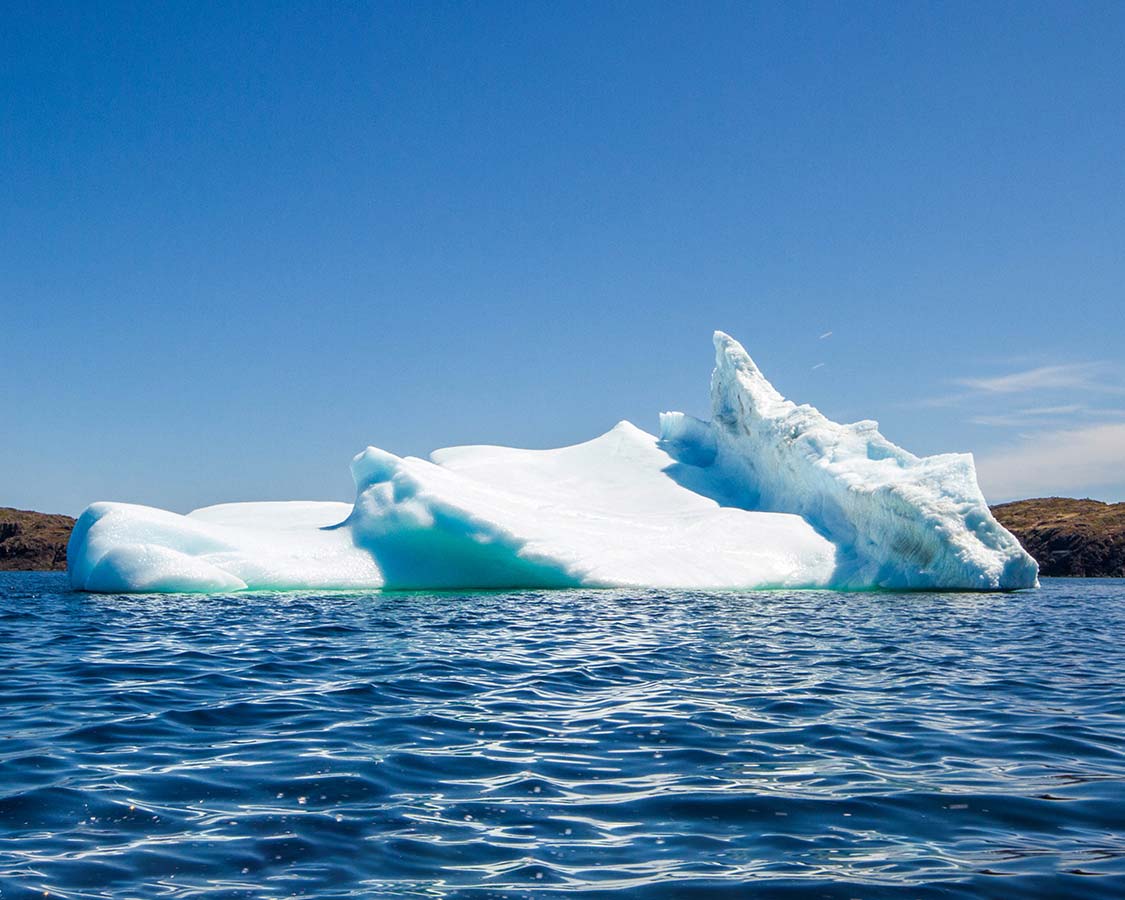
{"points": [[532, 744]]}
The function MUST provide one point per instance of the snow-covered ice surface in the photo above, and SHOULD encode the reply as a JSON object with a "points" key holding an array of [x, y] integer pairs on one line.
{"points": [[230, 547], [766, 494], [607, 512]]}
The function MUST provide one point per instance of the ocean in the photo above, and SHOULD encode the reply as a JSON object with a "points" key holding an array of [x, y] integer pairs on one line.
{"points": [[549, 743]]}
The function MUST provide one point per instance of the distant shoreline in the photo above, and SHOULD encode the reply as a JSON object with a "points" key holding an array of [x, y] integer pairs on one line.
{"points": [[33, 541], [1067, 537]]}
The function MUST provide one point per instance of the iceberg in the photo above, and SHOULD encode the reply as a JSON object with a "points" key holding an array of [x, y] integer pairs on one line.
{"points": [[767, 494]]}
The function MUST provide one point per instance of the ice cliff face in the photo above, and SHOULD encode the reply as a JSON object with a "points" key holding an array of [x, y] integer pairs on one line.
{"points": [[766, 494], [899, 520]]}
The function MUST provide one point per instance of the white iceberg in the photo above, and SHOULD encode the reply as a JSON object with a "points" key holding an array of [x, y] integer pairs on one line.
{"points": [[768, 494]]}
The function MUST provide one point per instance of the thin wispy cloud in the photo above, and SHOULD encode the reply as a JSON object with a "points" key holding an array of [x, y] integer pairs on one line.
{"points": [[1069, 462], [1034, 415], [1083, 376], [826, 334], [1056, 382], [1047, 415]]}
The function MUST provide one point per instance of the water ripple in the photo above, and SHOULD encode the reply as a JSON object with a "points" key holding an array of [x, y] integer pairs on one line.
{"points": [[533, 743]]}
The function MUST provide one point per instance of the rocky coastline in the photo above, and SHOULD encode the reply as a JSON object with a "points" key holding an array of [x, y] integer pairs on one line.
{"points": [[33, 541], [1067, 537]]}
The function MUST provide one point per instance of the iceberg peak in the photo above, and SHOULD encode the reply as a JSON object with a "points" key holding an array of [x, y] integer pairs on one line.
{"points": [[903, 521], [733, 366]]}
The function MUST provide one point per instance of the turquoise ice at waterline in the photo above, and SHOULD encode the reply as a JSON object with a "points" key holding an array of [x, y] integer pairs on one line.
{"points": [[767, 494]]}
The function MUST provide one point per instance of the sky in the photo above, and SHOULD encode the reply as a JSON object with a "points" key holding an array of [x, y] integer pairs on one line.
{"points": [[239, 243]]}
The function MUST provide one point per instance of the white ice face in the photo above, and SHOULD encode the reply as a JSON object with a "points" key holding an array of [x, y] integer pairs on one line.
{"points": [[899, 520], [120, 547], [614, 511], [767, 494]]}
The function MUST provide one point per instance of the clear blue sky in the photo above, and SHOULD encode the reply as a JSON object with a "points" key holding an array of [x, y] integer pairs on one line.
{"points": [[240, 244]]}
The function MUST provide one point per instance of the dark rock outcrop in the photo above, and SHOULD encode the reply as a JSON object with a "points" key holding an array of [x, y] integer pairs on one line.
{"points": [[33, 541], [1069, 537]]}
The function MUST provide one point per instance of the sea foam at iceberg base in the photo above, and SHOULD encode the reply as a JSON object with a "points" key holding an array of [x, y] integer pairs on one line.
{"points": [[767, 494]]}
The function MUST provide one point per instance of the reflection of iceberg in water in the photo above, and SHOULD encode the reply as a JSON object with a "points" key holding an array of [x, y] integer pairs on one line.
{"points": [[766, 494]]}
